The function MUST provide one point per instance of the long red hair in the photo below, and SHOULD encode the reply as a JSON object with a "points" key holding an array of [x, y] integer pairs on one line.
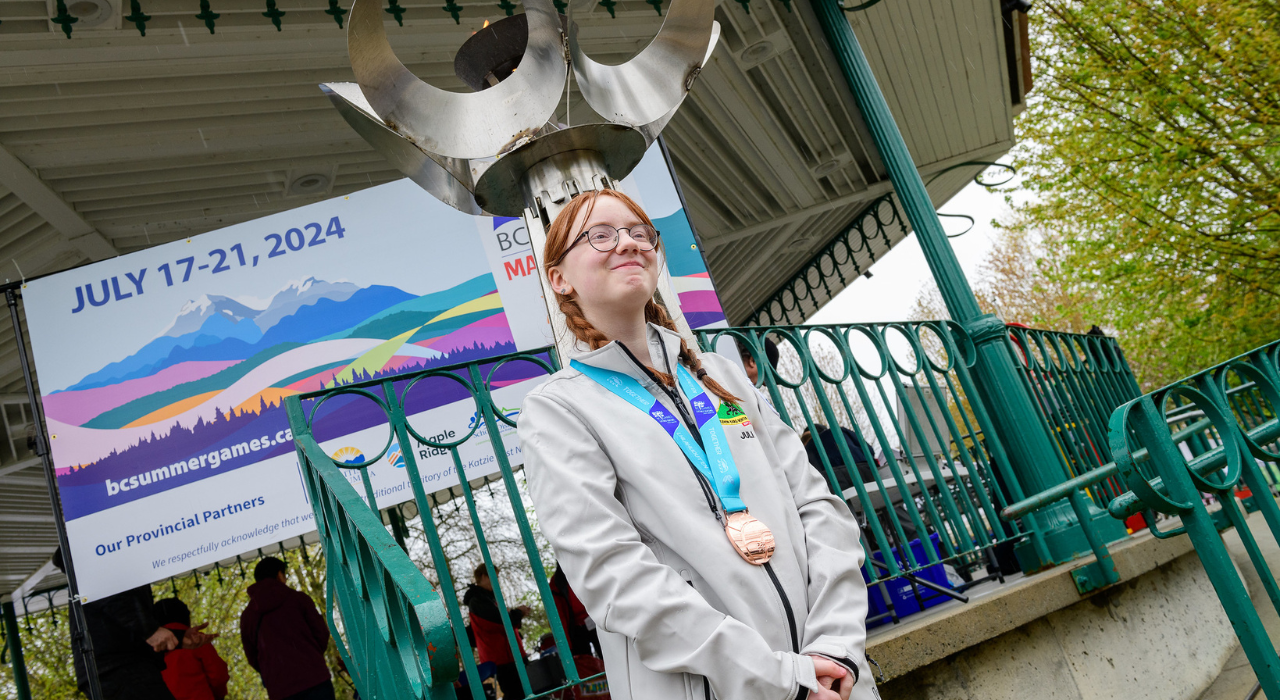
{"points": [[558, 238]]}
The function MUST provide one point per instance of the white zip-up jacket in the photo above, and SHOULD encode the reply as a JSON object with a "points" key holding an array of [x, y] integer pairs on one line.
{"points": [[679, 613]]}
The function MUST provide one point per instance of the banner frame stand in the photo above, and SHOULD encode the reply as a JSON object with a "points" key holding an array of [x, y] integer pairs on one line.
{"points": [[81, 643]]}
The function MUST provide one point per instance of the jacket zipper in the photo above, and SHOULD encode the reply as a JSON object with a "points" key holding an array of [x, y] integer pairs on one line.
{"points": [[786, 605], [714, 502]]}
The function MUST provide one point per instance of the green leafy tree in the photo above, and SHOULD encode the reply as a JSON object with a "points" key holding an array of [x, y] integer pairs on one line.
{"points": [[1022, 280], [1152, 148], [46, 644]]}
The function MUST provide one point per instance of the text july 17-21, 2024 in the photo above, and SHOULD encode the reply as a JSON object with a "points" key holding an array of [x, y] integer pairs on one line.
{"points": [[220, 260]]}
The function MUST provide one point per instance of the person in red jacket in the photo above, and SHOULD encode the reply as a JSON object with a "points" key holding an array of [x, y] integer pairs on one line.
{"points": [[285, 637], [191, 674], [573, 615], [491, 636]]}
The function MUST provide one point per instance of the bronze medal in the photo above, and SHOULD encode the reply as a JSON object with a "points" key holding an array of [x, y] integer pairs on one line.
{"points": [[751, 538]]}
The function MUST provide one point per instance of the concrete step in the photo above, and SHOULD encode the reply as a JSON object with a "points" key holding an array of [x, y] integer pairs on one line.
{"points": [[1237, 678]]}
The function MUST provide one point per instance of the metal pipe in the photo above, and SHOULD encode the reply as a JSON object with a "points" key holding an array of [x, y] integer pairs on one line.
{"points": [[1106, 471], [1127, 502], [80, 641], [925, 584]]}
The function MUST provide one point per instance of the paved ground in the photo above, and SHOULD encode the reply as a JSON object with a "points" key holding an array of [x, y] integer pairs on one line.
{"points": [[1237, 678]]}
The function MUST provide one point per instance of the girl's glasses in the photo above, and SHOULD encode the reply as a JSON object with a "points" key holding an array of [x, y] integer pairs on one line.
{"points": [[605, 238]]}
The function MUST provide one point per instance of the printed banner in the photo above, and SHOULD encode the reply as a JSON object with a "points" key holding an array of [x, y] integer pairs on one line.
{"points": [[163, 372]]}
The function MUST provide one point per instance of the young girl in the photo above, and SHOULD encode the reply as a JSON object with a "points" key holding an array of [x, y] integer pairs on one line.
{"points": [[713, 559]]}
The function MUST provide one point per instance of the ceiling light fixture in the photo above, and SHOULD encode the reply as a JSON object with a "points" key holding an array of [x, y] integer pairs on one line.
{"points": [[825, 169], [309, 183], [757, 52], [91, 13]]}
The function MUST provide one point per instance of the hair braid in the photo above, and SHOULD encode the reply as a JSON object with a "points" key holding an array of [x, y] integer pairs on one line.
{"points": [[656, 314], [578, 324]]}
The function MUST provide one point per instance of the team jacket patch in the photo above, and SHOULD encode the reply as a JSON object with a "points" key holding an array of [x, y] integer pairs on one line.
{"points": [[732, 417]]}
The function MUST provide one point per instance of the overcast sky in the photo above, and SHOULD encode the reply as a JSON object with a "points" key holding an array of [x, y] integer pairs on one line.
{"points": [[899, 276]]}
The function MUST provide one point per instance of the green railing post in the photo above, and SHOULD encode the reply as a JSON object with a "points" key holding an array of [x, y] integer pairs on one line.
{"points": [[395, 633], [1181, 496], [484, 404], [398, 528], [399, 424], [1027, 442], [15, 652]]}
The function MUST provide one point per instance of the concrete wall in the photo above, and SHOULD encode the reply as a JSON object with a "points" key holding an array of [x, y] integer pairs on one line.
{"points": [[1161, 635]]}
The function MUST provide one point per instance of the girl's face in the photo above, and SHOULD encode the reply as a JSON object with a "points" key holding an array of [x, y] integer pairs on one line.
{"points": [[620, 280]]}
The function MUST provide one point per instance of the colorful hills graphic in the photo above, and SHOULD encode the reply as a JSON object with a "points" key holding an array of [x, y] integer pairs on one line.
{"points": [[689, 277], [221, 369]]}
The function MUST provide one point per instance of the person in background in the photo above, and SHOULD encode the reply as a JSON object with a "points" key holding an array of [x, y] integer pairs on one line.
{"points": [[191, 674], [491, 637], [829, 446], [753, 370], [573, 615], [129, 644], [749, 362], [285, 637]]}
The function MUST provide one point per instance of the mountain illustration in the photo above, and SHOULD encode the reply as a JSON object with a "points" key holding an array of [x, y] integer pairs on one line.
{"points": [[327, 315], [195, 313], [335, 335], [424, 308], [219, 338], [221, 328], [298, 295]]}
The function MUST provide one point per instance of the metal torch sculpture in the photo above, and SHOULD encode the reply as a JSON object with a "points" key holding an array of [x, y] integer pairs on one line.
{"points": [[497, 151]]}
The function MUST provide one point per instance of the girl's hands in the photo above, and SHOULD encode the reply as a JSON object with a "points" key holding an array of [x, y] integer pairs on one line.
{"points": [[831, 675]]}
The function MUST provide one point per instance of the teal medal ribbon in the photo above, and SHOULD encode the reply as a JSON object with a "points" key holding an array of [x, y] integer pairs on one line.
{"points": [[716, 461]]}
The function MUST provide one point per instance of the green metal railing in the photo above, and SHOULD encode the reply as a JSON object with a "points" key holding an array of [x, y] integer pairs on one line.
{"points": [[1077, 381], [917, 449], [371, 577], [392, 631], [1086, 450], [1210, 433], [922, 469]]}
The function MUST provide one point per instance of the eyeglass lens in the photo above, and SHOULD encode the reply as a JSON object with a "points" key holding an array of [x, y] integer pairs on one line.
{"points": [[604, 237]]}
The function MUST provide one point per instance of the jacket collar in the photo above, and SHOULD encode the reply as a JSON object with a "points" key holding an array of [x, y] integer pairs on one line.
{"points": [[664, 345]]}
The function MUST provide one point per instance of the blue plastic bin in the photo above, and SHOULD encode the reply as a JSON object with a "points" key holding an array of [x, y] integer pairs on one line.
{"points": [[899, 589]]}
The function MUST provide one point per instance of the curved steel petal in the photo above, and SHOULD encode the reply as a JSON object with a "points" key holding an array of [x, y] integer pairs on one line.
{"points": [[651, 85], [653, 128], [457, 125], [431, 176]]}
